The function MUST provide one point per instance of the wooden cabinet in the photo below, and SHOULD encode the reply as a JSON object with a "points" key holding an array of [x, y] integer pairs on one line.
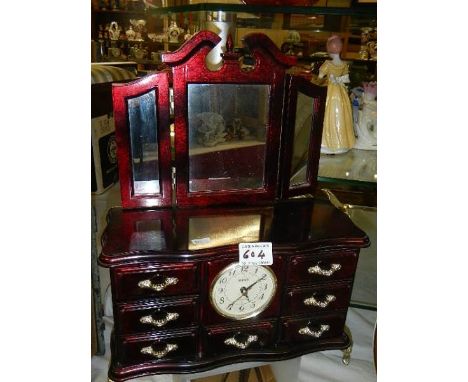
{"points": [[183, 301], [169, 326]]}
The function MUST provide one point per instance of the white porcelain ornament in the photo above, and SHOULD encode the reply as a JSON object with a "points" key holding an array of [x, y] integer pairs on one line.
{"points": [[366, 124]]}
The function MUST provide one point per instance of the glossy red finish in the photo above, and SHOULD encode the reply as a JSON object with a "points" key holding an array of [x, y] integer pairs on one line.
{"points": [[127, 279], [294, 85], [164, 260], [129, 314], [188, 67], [290, 327], [296, 296], [293, 227], [215, 336], [121, 93], [298, 271]]}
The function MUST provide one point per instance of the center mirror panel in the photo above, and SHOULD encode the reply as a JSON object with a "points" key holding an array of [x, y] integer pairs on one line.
{"points": [[144, 143], [227, 132]]}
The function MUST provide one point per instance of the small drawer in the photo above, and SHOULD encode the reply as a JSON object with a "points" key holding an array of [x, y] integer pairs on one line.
{"points": [[323, 267], [318, 299], [313, 329], [172, 345], [222, 339], [147, 317], [155, 281]]}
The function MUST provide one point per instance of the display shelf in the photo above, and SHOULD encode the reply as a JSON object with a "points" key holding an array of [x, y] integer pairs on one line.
{"points": [[355, 167], [244, 8], [121, 12], [351, 176], [277, 21]]}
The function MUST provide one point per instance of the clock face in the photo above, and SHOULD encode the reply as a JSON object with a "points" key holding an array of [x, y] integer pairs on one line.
{"points": [[242, 291]]}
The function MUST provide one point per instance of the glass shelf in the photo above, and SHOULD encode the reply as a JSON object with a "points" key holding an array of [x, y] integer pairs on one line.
{"points": [[356, 167], [363, 9]]}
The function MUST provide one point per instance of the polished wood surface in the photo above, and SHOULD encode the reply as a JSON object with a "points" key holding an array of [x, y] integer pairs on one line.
{"points": [[165, 254], [121, 93], [188, 67], [176, 321], [302, 225], [296, 84]]}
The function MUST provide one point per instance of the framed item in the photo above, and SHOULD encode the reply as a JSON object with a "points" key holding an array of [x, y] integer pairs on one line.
{"points": [[302, 136], [141, 113], [227, 122]]}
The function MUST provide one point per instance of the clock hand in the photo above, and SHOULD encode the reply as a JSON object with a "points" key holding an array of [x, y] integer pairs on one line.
{"points": [[243, 290], [251, 285]]}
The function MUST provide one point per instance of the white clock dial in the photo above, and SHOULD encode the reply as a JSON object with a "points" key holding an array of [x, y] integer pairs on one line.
{"points": [[242, 291]]}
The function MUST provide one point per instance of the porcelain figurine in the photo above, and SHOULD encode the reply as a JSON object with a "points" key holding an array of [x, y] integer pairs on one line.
{"points": [[130, 34], [114, 30], [174, 32], [366, 126], [338, 133], [139, 28]]}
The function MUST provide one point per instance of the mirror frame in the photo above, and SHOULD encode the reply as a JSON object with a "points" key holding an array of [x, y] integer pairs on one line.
{"points": [[295, 84], [188, 66], [158, 82]]}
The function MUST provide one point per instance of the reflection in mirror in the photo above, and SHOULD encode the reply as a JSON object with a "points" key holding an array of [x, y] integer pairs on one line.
{"points": [[302, 130], [144, 143], [214, 231], [227, 136], [148, 235]]}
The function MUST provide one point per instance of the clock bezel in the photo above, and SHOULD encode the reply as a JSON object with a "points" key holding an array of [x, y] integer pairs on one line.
{"points": [[258, 310]]}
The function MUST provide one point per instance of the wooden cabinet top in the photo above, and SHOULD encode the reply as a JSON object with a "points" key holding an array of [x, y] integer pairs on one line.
{"points": [[294, 226]]}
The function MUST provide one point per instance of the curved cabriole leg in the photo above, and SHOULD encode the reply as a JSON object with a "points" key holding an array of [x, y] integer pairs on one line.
{"points": [[347, 352]]}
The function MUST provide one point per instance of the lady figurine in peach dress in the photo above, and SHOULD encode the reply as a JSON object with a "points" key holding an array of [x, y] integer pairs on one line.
{"points": [[338, 133]]}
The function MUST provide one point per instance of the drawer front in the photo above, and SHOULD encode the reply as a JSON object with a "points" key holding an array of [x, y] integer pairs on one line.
{"points": [[224, 339], [171, 346], [155, 281], [313, 329], [147, 317], [318, 299], [330, 266]]}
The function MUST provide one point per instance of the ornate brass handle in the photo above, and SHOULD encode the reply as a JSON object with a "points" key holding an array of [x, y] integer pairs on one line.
{"points": [[241, 345], [314, 333], [147, 284], [316, 270], [161, 322], [312, 301], [161, 353]]}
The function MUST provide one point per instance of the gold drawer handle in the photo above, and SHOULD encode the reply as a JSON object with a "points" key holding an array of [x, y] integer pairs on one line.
{"points": [[161, 322], [241, 345], [316, 334], [316, 270], [161, 353], [147, 284], [312, 301]]}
